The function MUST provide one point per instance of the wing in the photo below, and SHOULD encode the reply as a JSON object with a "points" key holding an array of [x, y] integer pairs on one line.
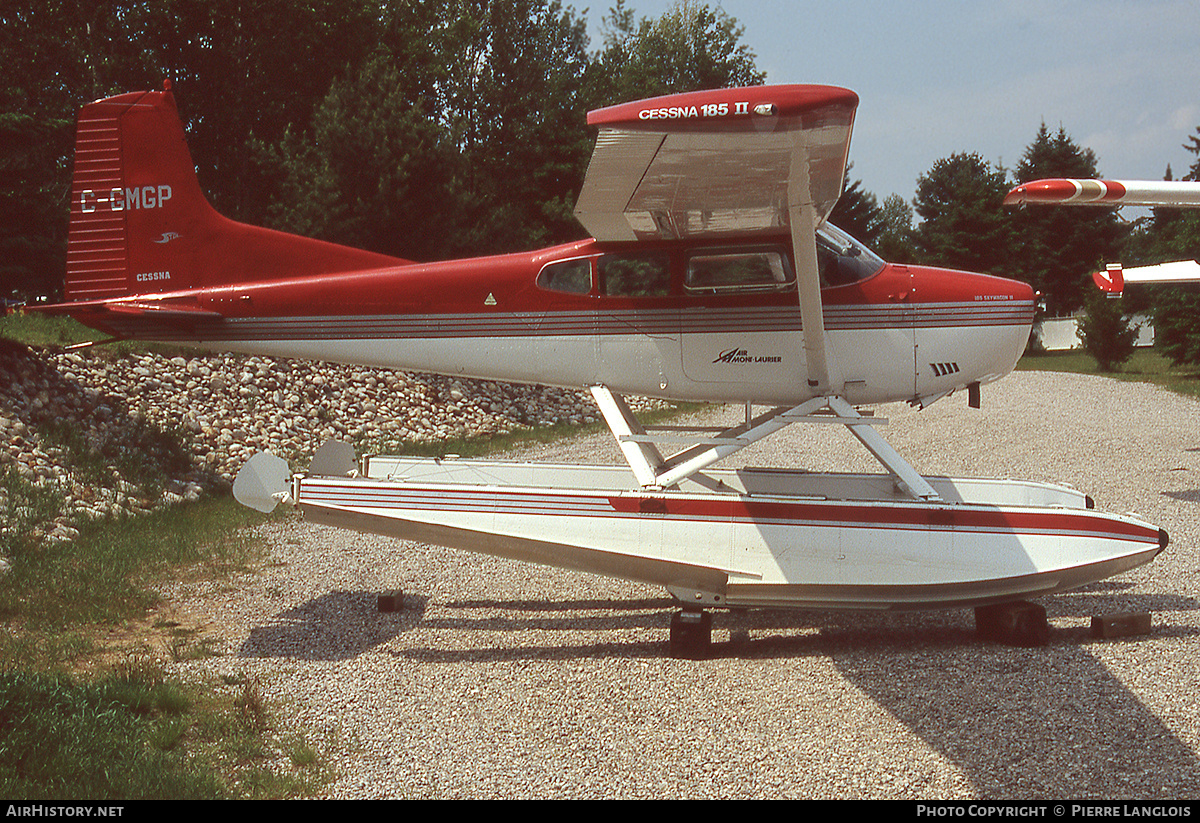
{"points": [[722, 164], [1113, 193]]}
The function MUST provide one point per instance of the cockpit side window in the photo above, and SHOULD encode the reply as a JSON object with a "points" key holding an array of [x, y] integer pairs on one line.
{"points": [[569, 276], [729, 270], [635, 275]]}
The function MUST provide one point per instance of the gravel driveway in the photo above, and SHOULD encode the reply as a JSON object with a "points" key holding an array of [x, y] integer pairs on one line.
{"points": [[516, 681]]}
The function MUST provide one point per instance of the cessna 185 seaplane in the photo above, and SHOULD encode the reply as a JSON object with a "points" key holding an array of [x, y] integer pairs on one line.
{"points": [[1065, 191], [711, 274]]}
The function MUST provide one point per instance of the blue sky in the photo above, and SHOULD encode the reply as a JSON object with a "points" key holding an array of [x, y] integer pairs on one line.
{"points": [[945, 76]]}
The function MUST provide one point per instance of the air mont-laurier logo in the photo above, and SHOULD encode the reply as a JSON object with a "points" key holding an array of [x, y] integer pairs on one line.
{"points": [[739, 355]]}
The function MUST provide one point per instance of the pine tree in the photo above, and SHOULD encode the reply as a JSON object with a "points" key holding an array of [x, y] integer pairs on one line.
{"points": [[691, 47], [857, 212], [963, 225], [1174, 234], [1058, 248], [897, 235], [1105, 331]]}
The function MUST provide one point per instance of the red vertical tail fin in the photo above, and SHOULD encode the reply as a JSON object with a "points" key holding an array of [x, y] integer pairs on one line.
{"points": [[134, 181], [141, 224]]}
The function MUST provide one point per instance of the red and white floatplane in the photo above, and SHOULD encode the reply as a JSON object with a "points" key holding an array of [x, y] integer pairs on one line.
{"points": [[712, 275]]}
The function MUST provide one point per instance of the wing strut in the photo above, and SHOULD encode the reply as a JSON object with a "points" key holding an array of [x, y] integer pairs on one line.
{"points": [[803, 219], [653, 471]]}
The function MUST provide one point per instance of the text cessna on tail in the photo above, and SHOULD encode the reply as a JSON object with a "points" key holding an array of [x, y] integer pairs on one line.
{"points": [[711, 275]]}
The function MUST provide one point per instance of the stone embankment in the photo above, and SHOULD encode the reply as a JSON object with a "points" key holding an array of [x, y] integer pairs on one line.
{"points": [[102, 436]]}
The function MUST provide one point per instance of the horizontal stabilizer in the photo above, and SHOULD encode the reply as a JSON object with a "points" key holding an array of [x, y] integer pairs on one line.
{"points": [[180, 311]]}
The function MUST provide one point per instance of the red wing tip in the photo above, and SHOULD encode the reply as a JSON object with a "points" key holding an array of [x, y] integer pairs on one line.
{"points": [[1065, 190]]}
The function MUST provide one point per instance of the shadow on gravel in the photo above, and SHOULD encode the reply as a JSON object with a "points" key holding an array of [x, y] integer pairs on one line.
{"points": [[1051, 722], [504, 620], [564, 605], [1043, 722], [1019, 723], [335, 626], [1048, 722]]}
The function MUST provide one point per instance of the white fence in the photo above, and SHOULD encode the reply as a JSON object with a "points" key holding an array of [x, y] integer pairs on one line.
{"points": [[1058, 333]]}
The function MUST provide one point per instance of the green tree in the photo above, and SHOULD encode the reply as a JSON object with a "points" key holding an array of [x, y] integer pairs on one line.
{"points": [[58, 54], [465, 133], [242, 70], [244, 73], [480, 127], [1176, 309], [897, 236], [963, 226], [857, 212], [372, 172], [1176, 315], [1057, 248], [518, 112], [1105, 331], [1171, 234], [33, 205], [691, 47]]}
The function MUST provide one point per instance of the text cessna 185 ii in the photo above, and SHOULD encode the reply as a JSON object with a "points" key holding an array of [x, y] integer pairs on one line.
{"points": [[711, 274]]}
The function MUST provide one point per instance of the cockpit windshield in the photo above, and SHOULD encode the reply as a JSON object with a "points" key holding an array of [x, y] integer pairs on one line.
{"points": [[842, 260]]}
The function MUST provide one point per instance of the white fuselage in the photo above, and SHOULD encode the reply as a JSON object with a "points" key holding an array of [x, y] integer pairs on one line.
{"points": [[881, 353]]}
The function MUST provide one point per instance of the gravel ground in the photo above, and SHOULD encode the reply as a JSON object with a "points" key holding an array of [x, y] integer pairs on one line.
{"points": [[503, 680]]}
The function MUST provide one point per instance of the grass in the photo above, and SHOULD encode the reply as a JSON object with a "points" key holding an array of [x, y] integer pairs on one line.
{"points": [[1145, 366], [34, 329], [85, 711], [41, 330], [105, 575], [82, 717], [116, 739], [138, 735]]}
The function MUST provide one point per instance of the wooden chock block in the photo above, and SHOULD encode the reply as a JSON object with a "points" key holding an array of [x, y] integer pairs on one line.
{"points": [[1015, 624], [1126, 624], [391, 601]]}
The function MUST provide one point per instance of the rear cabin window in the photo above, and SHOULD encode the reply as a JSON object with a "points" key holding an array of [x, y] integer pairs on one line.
{"points": [[635, 275], [569, 276], [722, 270]]}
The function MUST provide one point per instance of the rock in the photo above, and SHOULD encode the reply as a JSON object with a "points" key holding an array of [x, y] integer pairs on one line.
{"points": [[218, 410]]}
